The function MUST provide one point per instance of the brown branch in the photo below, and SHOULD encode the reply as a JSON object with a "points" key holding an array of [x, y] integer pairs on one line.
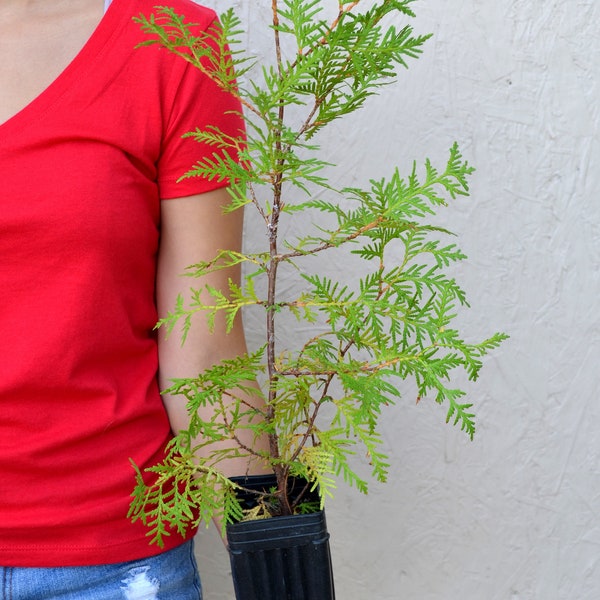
{"points": [[281, 472], [232, 431], [362, 368], [328, 245], [330, 375]]}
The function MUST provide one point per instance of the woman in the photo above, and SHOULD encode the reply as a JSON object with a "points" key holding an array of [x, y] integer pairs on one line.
{"points": [[94, 234]]}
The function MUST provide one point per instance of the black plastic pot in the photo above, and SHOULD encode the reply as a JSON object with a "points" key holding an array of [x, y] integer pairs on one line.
{"points": [[282, 558]]}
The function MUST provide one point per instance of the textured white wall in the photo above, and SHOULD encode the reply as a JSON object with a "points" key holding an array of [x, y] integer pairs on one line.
{"points": [[513, 515]]}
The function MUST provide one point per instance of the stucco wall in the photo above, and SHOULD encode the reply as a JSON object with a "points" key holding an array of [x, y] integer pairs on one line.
{"points": [[513, 515]]}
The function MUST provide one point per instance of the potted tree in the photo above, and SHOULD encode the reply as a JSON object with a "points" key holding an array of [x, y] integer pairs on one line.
{"points": [[388, 320]]}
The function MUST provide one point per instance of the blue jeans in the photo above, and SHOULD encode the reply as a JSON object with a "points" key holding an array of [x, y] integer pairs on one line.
{"points": [[172, 575]]}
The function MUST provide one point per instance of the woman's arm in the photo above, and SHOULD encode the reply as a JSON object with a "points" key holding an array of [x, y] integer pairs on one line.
{"points": [[193, 229]]}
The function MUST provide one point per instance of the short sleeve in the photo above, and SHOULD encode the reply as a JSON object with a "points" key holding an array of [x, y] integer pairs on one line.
{"points": [[197, 102]]}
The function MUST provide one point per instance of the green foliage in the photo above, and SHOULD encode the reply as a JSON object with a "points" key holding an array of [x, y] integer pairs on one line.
{"points": [[325, 397]]}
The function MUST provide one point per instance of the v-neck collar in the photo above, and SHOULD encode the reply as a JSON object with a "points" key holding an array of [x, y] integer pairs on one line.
{"points": [[79, 66]]}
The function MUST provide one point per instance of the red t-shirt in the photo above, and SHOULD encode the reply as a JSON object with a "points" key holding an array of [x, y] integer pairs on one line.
{"points": [[83, 168]]}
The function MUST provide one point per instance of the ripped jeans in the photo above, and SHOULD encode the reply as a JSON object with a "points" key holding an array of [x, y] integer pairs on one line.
{"points": [[172, 575]]}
